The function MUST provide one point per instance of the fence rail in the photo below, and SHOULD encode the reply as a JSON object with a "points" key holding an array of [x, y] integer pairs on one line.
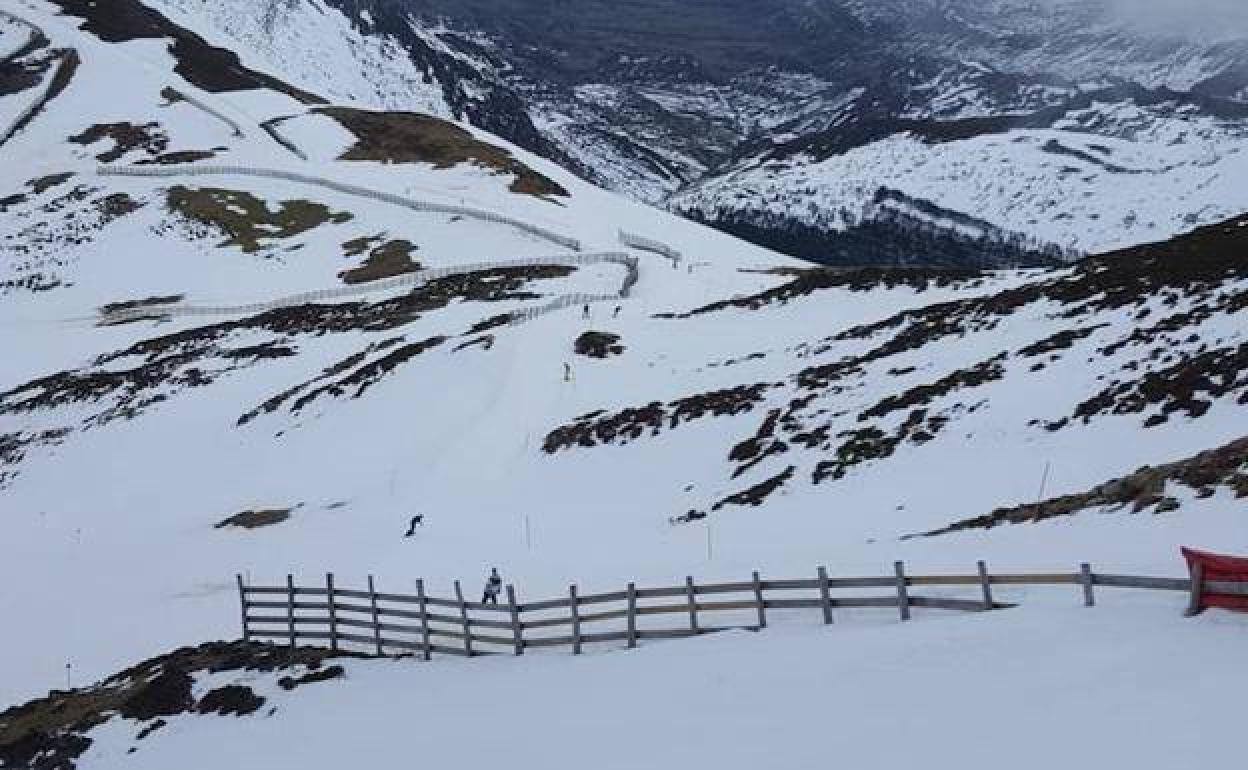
{"points": [[211, 111], [385, 623], [347, 189], [417, 278], [649, 244]]}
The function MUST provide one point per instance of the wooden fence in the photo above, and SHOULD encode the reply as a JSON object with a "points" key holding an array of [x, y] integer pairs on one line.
{"points": [[386, 623]]}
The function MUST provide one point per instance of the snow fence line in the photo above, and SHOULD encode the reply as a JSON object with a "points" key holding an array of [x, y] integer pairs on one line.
{"points": [[417, 278], [367, 620], [649, 244], [347, 189], [204, 107]]}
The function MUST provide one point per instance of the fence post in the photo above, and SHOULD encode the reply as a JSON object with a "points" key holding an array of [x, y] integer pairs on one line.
{"points": [[517, 634], [463, 613], [632, 615], [1085, 578], [1197, 590], [424, 619], [372, 600], [333, 611], [758, 602], [576, 620], [290, 608], [903, 594], [693, 604], [985, 583], [825, 596], [242, 602]]}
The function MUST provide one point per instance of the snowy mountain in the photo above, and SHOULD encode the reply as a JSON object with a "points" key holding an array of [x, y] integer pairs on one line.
{"points": [[260, 304], [1054, 129]]}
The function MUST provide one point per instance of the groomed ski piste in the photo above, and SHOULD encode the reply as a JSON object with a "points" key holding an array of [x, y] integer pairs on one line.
{"points": [[130, 447]]}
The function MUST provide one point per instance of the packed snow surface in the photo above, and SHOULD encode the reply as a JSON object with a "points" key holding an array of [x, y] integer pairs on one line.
{"points": [[1127, 685]]}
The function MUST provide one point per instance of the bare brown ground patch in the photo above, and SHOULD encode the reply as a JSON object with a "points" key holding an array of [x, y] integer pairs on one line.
{"points": [[385, 260], [409, 137], [247, 221]]}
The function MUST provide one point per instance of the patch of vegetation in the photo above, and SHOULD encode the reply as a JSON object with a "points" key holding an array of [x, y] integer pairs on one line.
{"points": [[255, 519], [126, 136], [804, 282], [1225, 467], [247, 221], [757, 494], [51, 733], [632, 424], [1189, 386], [322, 675], [922, 395], [598, 345], [44, 183], [409, 137], [385, 260]]}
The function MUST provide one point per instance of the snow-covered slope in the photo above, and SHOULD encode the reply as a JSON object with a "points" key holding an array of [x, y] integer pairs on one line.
{"points": [[815, 416], [964, 691]]}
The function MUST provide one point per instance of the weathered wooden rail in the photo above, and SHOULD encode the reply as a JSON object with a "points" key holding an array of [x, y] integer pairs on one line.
{"points": [[389, 623]]}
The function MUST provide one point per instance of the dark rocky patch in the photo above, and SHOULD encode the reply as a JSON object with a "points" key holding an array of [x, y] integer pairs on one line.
{"points": [[485, 342], [384, 261], [1195, 265], [208, 67], [408, 137], [176, 158], [763, 444], [365, 375], [805, 282], [631, 424], [44, 183], [255, 519], [130, 304], [1062, 340], [196, 357], [757, 494], [1226, 467], [872, 443], [983, 372], [14, 446], [1189, 387], [598, 345], [126, 136], [322, 675], [232, 699], [50, 733], [58, 225]]}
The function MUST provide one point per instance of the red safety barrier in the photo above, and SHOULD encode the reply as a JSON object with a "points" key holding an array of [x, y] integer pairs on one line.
{"points": [[1207, 568]]}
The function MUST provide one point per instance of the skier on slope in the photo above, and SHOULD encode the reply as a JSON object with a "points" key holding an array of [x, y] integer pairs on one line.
{"points": [[493, 585]]}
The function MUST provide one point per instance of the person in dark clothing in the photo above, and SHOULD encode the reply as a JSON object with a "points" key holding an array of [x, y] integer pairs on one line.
{"points": [[417, 521], [493, 586], [585, 312]]}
